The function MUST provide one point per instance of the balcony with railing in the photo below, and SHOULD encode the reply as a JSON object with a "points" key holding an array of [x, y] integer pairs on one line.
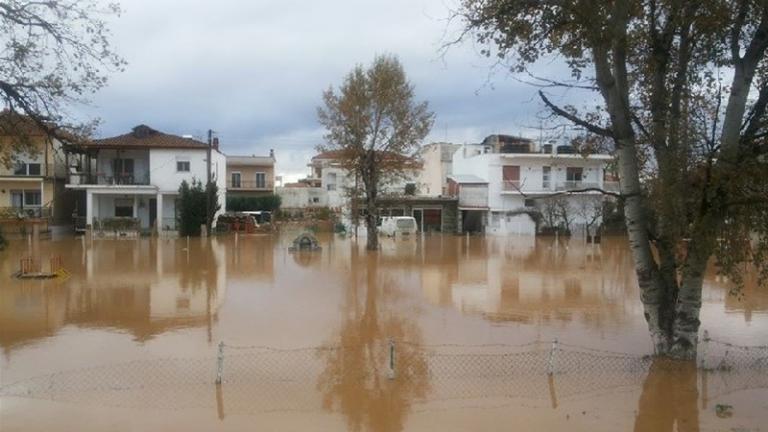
{"points": [[250, 185], [26, 212], [108, 179], [575, 185]]}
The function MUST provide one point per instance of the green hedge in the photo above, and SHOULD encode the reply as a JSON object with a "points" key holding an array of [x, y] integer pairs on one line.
{"points": [[262, 203]]}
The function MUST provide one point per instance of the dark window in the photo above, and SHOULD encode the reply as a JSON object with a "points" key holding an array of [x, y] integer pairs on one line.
{"points": [[530, 203], [410, 189], [182, 166], [574, 174], [23, 168], [235, 180], [123, 208], [32, 198], [261, 180], [20, 169]]}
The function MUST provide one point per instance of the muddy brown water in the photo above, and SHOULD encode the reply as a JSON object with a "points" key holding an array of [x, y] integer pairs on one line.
{"points": [[128, 340]]}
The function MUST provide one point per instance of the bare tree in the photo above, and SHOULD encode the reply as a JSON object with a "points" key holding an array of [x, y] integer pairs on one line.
{"points": [[657, 66], [54, 54], [590, 210], [564, 212], [374, 124]]}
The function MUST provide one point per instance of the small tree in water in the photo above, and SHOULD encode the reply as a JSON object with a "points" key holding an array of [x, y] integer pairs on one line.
{"points": [[374, 124], [192, 204], [690, 146]]}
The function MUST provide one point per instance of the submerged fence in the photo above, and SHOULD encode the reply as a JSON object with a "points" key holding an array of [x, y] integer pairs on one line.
{"points": [[247, 379]]}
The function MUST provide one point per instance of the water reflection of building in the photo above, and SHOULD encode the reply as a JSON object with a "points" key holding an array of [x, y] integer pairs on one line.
{"points": [[144, 287], [525, 279], [251, 258]]}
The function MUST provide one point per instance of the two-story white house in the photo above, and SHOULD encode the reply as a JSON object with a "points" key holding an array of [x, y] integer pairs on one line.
{"points": [[138, 175], [503, 182], [331, 183]]}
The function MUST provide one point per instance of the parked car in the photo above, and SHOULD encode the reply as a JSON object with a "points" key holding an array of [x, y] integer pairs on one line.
{"points": [[398, 225], [260, 216]]}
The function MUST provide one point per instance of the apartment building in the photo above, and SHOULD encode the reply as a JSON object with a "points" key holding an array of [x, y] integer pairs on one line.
{"points": [[505, 183], [251, 176], [31, 181]]}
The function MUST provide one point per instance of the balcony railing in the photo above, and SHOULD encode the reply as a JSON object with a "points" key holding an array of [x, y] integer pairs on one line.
{"points": [[103, 179], [25, 212], [250, 184], [575, 185]]}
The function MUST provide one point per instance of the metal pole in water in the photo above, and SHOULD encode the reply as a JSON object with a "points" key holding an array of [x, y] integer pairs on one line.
{"points": [[552, 357], [220, 363], [391, 365], [703, 361]]}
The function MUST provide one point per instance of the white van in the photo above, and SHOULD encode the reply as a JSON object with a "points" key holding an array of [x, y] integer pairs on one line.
{"points": [[398, 225]]}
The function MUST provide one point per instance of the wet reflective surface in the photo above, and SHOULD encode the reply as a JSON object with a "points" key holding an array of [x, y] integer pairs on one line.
{"points": [[132, 337]]}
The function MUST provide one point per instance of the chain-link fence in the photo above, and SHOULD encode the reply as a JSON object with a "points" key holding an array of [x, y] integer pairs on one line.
{"points": [[247, 379]]}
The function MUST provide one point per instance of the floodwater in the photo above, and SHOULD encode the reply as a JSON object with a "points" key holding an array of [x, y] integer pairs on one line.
{"points": [[128, 341]]}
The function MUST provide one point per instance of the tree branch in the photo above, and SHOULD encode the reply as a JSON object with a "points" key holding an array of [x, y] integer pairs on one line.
{"points": [[583, 123]]}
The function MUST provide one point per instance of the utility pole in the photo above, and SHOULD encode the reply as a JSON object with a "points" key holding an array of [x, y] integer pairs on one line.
{"points": [[208, 185]]}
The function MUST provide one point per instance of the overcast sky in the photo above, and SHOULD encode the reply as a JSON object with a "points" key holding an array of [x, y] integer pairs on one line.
{"points": [[254, 71]]}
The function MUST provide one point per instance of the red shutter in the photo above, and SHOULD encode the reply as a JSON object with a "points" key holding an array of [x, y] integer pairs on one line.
{"points": [[511, 173]]}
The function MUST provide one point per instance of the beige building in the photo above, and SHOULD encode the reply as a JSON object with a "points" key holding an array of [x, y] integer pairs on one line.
{"points": [[251, 176], [32, 182], [437, 159]]}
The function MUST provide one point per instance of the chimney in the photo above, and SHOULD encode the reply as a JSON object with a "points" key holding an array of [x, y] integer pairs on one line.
{"points": [[272, 153], [216, 143]]}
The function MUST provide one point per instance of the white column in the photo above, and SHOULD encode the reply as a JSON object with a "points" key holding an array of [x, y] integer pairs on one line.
{"points": [[135, 206], [159, 217], [89, 208]]}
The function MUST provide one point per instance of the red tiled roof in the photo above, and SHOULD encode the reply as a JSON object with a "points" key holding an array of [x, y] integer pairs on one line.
{"points": [[143, 136]]}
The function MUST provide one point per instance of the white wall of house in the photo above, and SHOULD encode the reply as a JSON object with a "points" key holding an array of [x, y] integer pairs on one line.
{"points": [[437, 161], [337, 181], [302, 197], [165, 176]]}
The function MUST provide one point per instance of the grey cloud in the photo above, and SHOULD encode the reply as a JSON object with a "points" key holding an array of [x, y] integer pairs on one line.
{"points": [[254, 71]]}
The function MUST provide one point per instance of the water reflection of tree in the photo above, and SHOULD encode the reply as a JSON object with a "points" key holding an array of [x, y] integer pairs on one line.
{"points": [[354, 380], [668, 400]]}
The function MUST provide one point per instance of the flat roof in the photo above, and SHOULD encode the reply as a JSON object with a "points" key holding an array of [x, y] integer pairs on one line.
{"points": [[250, 160], [467, 178]]}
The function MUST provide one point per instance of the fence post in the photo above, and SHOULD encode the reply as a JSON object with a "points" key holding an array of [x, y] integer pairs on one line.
{"points": [[705, 341], [391, 363], [220, 363], [552, 351]]}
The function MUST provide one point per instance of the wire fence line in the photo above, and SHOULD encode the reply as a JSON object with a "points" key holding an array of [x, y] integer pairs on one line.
{"points": [[248, 379]]}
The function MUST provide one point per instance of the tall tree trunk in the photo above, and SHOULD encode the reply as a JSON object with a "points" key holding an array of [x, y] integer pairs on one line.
{"points": [[370, 179], [612, 81], [371, 218]]}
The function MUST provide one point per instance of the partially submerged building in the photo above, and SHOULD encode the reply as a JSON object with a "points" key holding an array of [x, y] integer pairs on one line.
{"points": [[33, 176], [509, 185], [137, 175]]}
